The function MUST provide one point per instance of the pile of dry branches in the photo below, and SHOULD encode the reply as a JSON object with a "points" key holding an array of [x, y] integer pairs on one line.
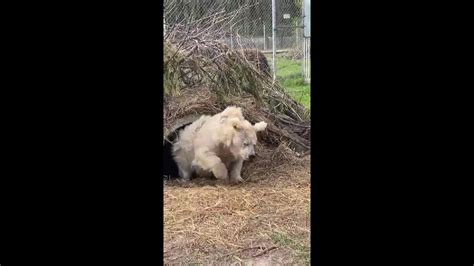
{"points": [[203, 75]]}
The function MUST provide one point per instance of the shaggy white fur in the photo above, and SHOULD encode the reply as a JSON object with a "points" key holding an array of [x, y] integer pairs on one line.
{"points": [[217, 144]]}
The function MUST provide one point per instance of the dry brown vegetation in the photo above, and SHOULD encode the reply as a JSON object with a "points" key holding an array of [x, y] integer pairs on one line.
{"points": [[211, 76]]}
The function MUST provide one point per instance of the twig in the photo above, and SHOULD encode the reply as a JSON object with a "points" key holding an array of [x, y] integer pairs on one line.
{"points": [[244, 249], [175, 258], [264, 252]]}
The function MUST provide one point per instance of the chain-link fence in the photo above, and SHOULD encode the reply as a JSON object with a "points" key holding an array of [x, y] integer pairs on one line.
{"points": [[289, 23], [246, 23]]}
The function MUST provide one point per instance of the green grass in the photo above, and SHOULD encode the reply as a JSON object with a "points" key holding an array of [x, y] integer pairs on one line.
{"points": [[289, 75], [300, 250]]}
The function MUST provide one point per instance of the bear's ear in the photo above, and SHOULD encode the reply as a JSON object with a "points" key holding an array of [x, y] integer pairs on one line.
{"points": [[235, 122], [223, 119], [260, 126], [233, 108], [233, 111]]}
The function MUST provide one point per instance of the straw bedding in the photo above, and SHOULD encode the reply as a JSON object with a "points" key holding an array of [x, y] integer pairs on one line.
{"points": [[206, 221]]}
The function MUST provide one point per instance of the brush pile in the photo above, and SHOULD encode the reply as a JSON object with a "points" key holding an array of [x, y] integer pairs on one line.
{"points": [[202, 75]]}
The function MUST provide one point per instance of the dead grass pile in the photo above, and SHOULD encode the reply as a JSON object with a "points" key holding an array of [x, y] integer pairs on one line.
{"points": [[202, 75]]}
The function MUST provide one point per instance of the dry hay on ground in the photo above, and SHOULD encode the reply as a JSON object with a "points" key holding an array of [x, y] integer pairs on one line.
{"points": [[264, 220]]}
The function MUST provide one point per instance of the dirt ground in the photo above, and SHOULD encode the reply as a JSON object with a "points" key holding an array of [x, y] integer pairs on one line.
{"points": [[264, 221]]}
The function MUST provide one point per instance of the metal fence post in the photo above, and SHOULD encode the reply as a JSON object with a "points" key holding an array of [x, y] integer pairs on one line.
{"points": [[264, 38], [303, 42], [274, 38], [297, 35], [231, 40]]}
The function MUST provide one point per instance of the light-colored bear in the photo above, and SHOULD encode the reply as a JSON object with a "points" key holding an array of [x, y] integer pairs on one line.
{"points": [[216, 144]]}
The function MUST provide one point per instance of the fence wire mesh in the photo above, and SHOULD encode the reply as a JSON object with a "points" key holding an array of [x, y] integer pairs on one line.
{"points": [[253, 25], [244, 23]]}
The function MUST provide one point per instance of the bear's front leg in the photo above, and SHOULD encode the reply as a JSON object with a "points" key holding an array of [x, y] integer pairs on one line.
{"points": [[235, 169], [220, 171], [208, 160]]}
